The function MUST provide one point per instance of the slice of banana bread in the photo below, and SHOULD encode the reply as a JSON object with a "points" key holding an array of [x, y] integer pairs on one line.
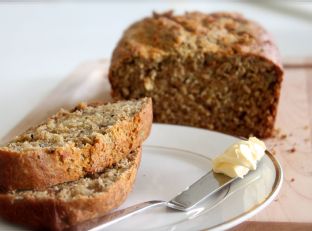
{"points": [[67, 204], [218, 71], [72, 144]]}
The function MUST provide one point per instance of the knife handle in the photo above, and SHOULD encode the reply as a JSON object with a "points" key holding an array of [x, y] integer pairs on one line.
{"points": [[119, 215]]}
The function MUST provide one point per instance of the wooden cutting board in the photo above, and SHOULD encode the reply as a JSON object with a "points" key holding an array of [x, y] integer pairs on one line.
{"points": [[292, 144]]}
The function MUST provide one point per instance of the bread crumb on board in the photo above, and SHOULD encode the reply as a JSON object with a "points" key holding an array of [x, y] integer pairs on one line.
{"points": [[292, 150], [283, 136], [280, 135], [276, 132]]}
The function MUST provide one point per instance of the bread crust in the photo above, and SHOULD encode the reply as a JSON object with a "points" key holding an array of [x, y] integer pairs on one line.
{"points": [[136, 43], [39, 170], [55, 214]]}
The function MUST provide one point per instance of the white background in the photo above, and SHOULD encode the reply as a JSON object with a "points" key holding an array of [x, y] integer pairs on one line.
{"points": [[41, 43]]}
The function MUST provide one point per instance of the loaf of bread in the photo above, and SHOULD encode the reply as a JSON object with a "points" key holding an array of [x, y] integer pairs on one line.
{"points": [[217, 71], [62, 206], [72, 144]]}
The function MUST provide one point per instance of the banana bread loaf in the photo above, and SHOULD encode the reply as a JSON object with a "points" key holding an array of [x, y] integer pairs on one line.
{"points": [[218, 71], [72, 144], [62, 206]]}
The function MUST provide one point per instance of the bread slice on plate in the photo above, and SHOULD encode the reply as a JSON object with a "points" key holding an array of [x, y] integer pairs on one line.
{"points": [[72, 144], [67, 204]]}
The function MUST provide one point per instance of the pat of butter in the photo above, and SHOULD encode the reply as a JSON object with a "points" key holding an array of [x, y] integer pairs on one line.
{"points": [[239, 158]]}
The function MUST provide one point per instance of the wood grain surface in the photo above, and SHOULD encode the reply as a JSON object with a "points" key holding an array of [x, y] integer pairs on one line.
{"points": [[272, 226], [292, 209]]}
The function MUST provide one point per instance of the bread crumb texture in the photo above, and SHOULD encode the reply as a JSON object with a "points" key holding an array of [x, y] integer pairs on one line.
{"points": [[80, 127]]}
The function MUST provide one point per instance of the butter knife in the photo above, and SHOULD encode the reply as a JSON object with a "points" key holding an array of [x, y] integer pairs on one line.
{"points": [[184, 201]]}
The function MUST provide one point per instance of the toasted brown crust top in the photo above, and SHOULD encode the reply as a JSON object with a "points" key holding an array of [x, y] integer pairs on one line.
{"points": [[156, 37], [48, 211]]}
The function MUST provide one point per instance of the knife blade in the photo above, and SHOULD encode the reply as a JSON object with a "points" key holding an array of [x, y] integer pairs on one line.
{"points": [[204, 187]]}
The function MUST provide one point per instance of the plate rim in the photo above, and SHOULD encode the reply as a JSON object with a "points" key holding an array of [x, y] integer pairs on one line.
{"points": [[256, 208]]}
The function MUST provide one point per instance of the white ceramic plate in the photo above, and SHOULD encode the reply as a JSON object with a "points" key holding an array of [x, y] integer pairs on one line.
{"points": [[173, 158]]}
